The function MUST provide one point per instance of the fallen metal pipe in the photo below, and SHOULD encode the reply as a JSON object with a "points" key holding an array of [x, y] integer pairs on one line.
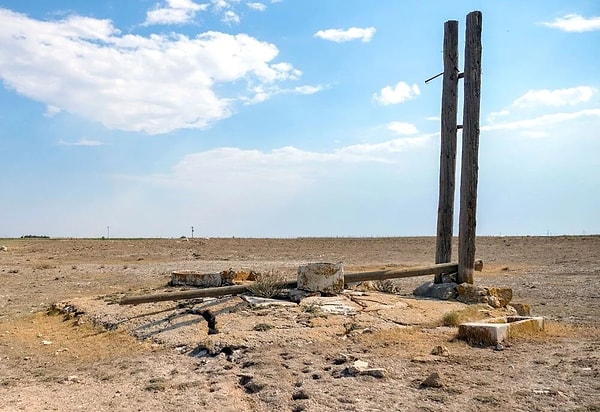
{"points": [[238, 289]]}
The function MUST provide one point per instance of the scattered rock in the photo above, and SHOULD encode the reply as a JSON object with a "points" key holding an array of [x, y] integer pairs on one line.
{"points": [[449, 277], [434, 380], [522, 309], [440, 351], [361, 364], [3, 249], [342, 358], [499, 347], [360, 368], [250, 385], [478, 266], [301, 394], [495, 297], [442, 291]]}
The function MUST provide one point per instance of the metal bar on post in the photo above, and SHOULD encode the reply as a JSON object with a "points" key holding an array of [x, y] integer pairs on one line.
{"points": [[445, 222], [470, 149]]}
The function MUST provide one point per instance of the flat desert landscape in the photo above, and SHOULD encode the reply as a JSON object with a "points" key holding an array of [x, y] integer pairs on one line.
{"points": [[66, 343]]}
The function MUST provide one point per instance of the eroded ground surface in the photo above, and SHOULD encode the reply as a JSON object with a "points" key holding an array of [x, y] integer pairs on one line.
{"points": [[160, 356]]}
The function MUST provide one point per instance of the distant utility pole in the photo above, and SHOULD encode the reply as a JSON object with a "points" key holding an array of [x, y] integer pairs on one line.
{"points": [[192, 232], [108, 232]]}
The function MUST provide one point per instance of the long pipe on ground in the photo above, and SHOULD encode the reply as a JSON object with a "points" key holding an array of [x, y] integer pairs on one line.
{"points": [[238, 289]]}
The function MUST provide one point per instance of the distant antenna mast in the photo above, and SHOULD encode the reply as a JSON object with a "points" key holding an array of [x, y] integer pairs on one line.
{"points": [[192, 232]]}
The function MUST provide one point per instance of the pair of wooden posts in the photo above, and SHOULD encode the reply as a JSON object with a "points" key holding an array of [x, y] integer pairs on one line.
{"points": [[470, 147]]}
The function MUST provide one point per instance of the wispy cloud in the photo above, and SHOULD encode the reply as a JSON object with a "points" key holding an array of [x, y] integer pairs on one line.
{"points": [[402, 128], [230, 17], [265, 92], [544, 121], [399, 93], [174, 12], [283, 168], [575, 23], [491, 118], [557, 97], [343, 35], [257, 6], [122, 81], [81, 142]]}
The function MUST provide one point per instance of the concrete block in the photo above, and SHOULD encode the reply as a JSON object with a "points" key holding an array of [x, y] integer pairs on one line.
{"points": [[321, 277], [204, 280], [497, 330]]}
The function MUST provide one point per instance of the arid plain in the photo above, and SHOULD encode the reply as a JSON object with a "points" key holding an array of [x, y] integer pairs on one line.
{"points": [[289, 359]]}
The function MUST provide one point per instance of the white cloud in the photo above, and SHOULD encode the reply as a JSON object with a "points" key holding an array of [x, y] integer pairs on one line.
{"points": [[282, 170], [175, 12], [558, 97], [265, 92], [52, 111], [575, 23], [402, 128], [230, 16], [257, 6], [491, 118], [399, 93], [154, 84], [307, 89], [353, 33], [433, 118], [82, 142], [544, 121]]}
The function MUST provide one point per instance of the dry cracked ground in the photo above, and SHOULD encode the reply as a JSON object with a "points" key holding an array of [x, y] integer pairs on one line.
{"points": [[97, 355]]}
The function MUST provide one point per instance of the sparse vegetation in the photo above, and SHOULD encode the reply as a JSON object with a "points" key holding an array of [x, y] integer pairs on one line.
{"points": [[267, 285], [470, 313], [43, 266], [263, 327], [386, 285]]}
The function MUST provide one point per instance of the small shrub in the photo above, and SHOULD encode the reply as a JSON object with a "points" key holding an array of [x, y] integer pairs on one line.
{"points": [[470, 313], [267, 285], [156, 385], [386, 285], [263, 327]]}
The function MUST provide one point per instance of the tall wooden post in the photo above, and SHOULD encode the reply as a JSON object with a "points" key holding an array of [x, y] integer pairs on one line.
{"points": [[470, 149], [445, 222]]}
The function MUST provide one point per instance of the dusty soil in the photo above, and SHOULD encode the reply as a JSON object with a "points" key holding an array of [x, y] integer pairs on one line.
{"points": [[160, 356]]}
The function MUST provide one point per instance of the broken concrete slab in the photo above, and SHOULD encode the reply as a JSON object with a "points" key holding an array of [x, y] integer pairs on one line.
{"points": [[498, 330], [258, 302], [336, 305]]}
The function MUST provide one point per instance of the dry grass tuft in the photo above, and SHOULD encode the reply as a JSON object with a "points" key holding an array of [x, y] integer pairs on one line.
{"points": [[469, 314], [386, 286], [267, 285]]}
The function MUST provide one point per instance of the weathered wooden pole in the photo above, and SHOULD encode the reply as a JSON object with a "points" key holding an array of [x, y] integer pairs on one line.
{"points": [[445, 222], [470, 149]]}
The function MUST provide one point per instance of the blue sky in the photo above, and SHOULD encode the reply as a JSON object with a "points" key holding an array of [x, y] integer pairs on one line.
{"points": [[288, 118]]}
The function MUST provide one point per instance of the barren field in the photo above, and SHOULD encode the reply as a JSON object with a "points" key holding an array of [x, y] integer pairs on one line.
{"points": [[98, 355]]}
